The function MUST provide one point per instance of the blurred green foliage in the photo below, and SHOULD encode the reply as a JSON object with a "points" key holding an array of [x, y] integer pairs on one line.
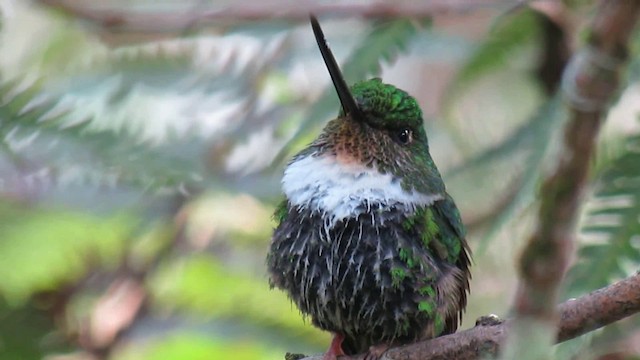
{"points": [[198, 347], [155, 158], [68, 245], [27, 333], [202, 285]]}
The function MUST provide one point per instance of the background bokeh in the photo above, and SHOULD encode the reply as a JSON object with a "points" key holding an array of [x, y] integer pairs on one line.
{"points": [[140, 162]]}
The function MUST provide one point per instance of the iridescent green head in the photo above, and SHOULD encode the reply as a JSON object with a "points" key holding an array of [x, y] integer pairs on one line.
{"points": [[385, 105], [379, 126]]}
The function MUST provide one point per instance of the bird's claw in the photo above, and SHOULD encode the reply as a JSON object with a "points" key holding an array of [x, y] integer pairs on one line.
{"points": [[489, 320], [376, 351]]}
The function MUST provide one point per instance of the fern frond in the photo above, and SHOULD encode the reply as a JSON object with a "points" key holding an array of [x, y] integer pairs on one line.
{"points": [[509, 36], [57, 142], [518, 158], [203, 86], [386, 40], [611, 226]]}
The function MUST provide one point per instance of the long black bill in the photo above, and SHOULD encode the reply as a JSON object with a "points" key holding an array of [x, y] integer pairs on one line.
{"points": [[349, 105]]}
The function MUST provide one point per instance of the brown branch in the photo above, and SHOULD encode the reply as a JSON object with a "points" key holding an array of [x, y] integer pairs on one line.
{"points": [[590, 79], [577, 317], [172, 21], [599, 308]]}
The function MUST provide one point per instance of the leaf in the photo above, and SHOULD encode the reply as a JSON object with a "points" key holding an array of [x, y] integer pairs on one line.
{"points": [[386, 40], [165, 91], [196, 346], [518, 159], [202, 285], [613, 218], [147, 112], [47, 140], [45, 248], [21, 333], [507, 37], [524, 138]]}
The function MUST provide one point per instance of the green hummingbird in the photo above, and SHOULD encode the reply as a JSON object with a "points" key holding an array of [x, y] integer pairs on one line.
{"points": [[368, 244]]}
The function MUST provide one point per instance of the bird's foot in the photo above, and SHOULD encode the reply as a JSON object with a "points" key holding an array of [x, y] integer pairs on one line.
{"points": [[489, 320], [376, 351], [335, 349]]}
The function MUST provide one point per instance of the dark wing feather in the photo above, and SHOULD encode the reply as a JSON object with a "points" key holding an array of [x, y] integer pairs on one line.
{"points": [[453, 239]]}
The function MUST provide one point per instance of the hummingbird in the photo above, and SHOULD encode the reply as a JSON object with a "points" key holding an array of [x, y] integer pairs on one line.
{"points": [[368, 243]]}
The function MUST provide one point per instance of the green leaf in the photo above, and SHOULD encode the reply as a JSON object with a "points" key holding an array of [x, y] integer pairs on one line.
{"points": [[616, 253], [508, 37], [518, 159], [45, 248], [386, 40], [42, 135], [550, 117], [141, 115], [21, 333], [201, 285], [195, 346]]}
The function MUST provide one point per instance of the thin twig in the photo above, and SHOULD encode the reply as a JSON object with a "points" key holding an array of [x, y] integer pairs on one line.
{"points": [[176, 21]]}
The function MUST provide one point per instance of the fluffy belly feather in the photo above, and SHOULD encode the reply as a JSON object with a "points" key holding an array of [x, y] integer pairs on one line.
{"points": [[355, 278]]}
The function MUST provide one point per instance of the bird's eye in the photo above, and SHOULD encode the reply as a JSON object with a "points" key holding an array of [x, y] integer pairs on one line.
{"points": [[404, 136]]}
